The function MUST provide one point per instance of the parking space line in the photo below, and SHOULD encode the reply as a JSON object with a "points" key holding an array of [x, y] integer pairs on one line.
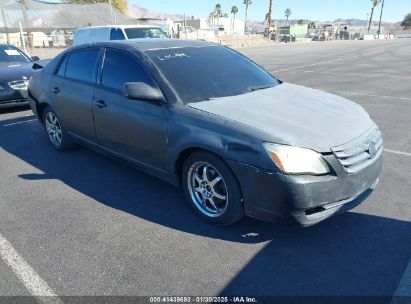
{"points": [[13, 118], [356, 74], [19, 122], [313, 64], [364, 94], [31, 280], [397, 152]]}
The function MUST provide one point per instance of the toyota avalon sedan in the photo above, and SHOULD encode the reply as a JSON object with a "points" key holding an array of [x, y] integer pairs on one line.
{"points": [[206, 118], [15, 72]]}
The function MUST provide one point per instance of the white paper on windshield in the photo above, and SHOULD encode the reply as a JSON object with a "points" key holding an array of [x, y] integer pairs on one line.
{"points": [[12, 52]]}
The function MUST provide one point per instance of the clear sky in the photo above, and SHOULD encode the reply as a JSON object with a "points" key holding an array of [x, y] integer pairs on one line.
{"points": [[322, 10]]}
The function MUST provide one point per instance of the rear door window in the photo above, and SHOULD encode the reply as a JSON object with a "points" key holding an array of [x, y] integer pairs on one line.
{"points": [[121, 67], [82, 65], [62, 68], [116, 34]]}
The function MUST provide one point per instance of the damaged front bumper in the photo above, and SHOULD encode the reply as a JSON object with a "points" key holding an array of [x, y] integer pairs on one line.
{"points": [[10, 97], [307, 199]]}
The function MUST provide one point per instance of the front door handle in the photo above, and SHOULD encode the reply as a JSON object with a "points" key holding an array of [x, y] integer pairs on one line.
{"points": [[56, 90], [101, 104]]}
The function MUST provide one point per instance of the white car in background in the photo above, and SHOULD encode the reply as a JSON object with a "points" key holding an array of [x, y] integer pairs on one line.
{"points": [[116, 32]]}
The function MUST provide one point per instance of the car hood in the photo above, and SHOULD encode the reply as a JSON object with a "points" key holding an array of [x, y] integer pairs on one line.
{"points": [[15, 71], [294, 115]]}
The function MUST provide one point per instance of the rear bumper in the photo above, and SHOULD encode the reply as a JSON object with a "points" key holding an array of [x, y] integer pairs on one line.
{"points": [[306, 199]]}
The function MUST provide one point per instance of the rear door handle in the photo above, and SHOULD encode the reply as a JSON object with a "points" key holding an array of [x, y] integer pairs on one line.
{"points": [[56, 90], [101, 104]]}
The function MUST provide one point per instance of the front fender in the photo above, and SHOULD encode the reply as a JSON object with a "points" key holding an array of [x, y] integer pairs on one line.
{"points": [[194, 129]]}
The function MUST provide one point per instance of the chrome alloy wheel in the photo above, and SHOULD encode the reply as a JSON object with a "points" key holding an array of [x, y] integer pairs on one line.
{"points": [[53, 128], [207, 189]]}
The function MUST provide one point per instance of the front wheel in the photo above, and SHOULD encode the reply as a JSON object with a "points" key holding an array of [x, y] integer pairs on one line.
{"points": [[212, 189]]}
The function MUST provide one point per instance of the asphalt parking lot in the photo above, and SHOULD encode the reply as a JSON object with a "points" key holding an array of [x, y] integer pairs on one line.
{"points": [[83, 224]]}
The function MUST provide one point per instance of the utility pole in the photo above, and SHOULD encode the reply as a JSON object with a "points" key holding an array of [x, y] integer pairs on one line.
{"points": [[24, 9], [113, 13], [6, 30], [185, 25], [379, 24]]}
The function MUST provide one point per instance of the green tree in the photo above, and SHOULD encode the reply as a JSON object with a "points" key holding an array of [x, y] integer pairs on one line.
{"points": [[406, 23], [374, 3], [247, 3], [311, 25], [121, 5], [301, 22], [234, 11], [287, 14]]}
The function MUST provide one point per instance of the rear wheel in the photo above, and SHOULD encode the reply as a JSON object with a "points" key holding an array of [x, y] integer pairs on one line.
{"points": [[56, 134], [212, 189]]}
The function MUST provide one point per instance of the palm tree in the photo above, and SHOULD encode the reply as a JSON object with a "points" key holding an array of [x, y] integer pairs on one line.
{"points": [[247, 3], [287, 14], [211, 18], [270, 7], [218, 13], [373, 5], [234, 11]]}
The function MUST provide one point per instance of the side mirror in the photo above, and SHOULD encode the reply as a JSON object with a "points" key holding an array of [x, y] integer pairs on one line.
{"points": [[35, 58], [37, 66], [142, 91]]}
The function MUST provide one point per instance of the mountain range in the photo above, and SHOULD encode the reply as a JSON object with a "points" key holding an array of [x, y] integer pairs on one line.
{"points": [[137, 12]]}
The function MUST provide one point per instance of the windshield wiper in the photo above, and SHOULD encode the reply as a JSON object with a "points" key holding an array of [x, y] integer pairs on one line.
{"points": [[262, 87]]}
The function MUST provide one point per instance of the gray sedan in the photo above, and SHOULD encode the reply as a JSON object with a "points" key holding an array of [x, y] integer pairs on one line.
{"points": [[204, 117]]}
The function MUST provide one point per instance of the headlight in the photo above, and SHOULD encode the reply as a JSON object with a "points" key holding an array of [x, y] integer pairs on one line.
{"points": [[19, 84], [295, 160]]}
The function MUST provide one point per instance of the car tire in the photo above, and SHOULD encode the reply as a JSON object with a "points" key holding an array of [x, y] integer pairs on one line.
{"points": [[212, 189], [58, 137]]}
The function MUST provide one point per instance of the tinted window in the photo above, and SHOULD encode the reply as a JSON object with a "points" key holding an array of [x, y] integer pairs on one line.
{"points": [[81, 65], [119, 68], [154, 32], [62, 69], [200, 73], [116, 34], [12, 54]]}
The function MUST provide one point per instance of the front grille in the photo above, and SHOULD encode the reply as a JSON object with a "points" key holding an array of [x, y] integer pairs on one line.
{"points": [[361, 152], [19, 84]]}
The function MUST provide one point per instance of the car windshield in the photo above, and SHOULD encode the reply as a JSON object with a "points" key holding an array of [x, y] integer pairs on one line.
{"points": [[133, 33], [202, 73], [10, 54]]}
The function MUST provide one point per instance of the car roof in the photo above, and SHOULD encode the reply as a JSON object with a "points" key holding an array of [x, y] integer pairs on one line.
{"points": [[122, 26], [149, 44], [8, 45]]}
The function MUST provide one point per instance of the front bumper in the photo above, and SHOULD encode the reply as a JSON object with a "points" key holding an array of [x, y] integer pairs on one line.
{"points": [[10, 97], [307, 199]]}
